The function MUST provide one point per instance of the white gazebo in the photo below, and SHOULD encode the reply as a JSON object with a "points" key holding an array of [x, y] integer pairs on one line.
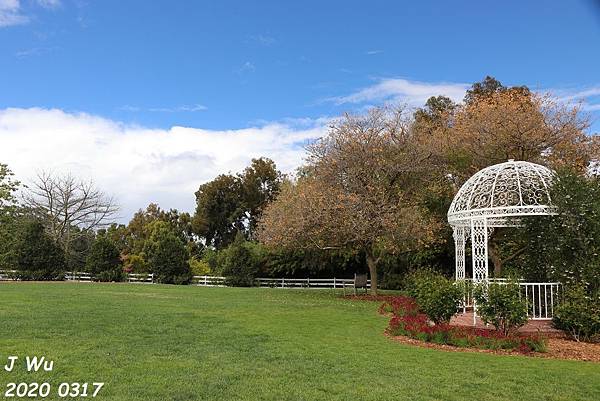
{"points": [[497, 196]]}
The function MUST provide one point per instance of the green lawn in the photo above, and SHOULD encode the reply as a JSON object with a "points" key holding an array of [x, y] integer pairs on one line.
{"points": [[154, 342]]}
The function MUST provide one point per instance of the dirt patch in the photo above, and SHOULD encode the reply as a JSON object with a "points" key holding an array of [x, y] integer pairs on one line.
{"points": [[561, 348], [558, 348]]}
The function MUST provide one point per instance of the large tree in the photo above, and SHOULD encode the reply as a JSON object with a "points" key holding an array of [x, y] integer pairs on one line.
{"points": [[8, 215], [8, 188], [496, 123], [71, 209], [133, 237], [233, 203], [167, 255], [359, 192], [103, 260], [565, 247], [37, 256]]}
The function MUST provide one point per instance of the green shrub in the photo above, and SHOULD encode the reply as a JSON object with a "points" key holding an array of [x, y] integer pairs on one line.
{"points": [[211, 258], [437, 296], [167, 255], [36, 255], [566, 247], [103, 261], [199, 267], [500, 304], [133, 263], [240, 262], [407, 321], [392, 281], [579, 315]]}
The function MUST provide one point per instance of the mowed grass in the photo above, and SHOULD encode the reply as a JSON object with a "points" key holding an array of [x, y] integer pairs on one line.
{"points": [[154, 342]]}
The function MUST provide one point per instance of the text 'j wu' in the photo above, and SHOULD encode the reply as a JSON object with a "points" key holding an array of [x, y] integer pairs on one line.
{"points": [[32, 364]]}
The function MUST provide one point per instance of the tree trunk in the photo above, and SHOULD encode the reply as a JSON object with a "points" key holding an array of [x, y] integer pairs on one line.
{"points": [[372, 263], [494, 253]]}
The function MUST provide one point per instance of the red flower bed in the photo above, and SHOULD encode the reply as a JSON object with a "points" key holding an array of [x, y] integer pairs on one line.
{"points": [[408, 321], [369, 297], [399, 306]]}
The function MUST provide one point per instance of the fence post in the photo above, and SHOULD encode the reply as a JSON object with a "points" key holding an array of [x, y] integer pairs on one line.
{"points": [[283, 282], [308, 282]]}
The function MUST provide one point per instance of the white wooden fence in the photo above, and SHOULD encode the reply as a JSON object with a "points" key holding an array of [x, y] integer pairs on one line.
{"points": [[306, 282], [143, 278], [540, 298], [215, 281], [6, 275], [208, 281]]}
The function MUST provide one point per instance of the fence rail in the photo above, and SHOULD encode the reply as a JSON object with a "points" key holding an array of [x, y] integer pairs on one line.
{"points": [[540, 298], [213, 281], [7, 275], [144, 278], [208, 281], [305, 282]]}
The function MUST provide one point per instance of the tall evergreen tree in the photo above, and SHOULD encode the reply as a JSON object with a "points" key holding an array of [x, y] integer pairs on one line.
{"points": [[167, 255], [103, 261], [37, 255]]}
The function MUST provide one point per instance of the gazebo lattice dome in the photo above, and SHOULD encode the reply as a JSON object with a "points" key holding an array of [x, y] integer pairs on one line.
{"points": [[496, 196]]}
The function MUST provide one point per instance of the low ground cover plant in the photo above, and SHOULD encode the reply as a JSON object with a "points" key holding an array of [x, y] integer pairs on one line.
{"points": [[408, 320]]}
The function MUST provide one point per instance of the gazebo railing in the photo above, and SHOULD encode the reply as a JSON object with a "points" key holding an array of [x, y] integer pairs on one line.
{"points": [[540, 298]]}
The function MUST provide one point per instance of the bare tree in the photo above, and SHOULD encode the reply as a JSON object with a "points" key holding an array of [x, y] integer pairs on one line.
{"points": [[71, 208]]}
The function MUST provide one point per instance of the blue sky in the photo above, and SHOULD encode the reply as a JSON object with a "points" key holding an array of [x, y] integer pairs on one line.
{"points": [[139, 69], [229, 64]]}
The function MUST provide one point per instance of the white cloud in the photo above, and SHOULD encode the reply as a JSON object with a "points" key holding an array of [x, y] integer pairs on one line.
{"points": [[49, 3], [588, 96], [10, 13], [399, 90], [373, 52], [263, 40], [141, 165], [176, 109], [247, 67], [34, 51], [191, 107]]}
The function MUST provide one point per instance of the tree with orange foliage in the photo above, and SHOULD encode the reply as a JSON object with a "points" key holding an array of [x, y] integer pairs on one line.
{"points": [[496, 123], [359, 192]]}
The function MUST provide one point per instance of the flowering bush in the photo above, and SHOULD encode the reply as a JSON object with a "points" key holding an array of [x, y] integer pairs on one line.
{"points": [[407, 320]]}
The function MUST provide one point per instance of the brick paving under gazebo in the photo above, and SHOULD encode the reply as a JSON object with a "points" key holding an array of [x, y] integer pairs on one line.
{"points": [[532, 326]]}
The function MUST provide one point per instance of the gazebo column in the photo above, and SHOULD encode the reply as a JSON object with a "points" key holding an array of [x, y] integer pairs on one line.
{"points": [[459, 251], [479, 247], [479, 244]]}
